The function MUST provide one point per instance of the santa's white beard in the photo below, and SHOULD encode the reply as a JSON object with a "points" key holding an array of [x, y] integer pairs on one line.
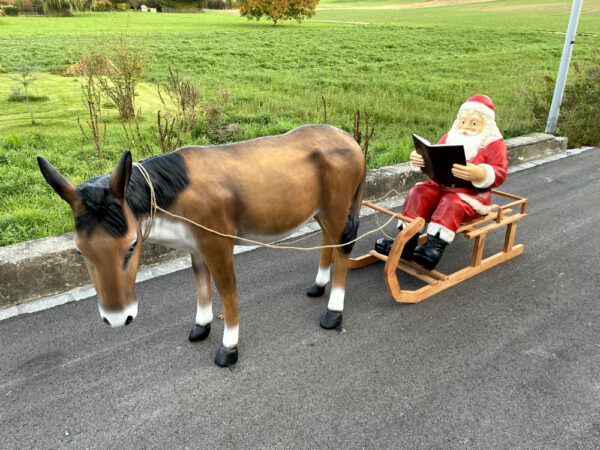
{"points": [[472, 144]]}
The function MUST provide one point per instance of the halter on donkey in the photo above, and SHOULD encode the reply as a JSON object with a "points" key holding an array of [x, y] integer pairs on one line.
{"points": [[262, 189]]}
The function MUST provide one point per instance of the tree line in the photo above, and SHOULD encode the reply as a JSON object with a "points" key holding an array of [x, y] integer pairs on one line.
{"points": [[274, 10]]}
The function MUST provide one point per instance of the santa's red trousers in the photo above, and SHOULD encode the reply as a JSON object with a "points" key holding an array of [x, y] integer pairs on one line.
{"points": [[438, 205]]}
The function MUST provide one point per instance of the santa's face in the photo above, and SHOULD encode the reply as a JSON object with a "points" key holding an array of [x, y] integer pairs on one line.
{"points": [[468, 131], [469, 123]]}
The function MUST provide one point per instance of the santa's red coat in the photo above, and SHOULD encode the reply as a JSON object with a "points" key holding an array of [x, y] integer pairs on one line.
{"points": [[446, 208]]}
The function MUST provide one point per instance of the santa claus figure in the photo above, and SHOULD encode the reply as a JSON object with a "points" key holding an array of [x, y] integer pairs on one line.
{"points": [[446, 207]]}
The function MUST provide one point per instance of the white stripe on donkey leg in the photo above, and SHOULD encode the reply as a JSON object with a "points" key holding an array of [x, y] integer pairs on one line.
{"points": [[318, 288], [204, 314]]}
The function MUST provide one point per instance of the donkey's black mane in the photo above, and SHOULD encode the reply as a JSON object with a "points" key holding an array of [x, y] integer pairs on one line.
{"points": [[168, 176]]}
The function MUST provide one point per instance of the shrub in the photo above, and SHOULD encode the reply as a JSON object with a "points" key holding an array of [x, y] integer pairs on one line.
{"points": [[581, 106], [122, 6], [30, 6], [128, 68], [24, 77], [103, 5], [277, 10], [215, 4], [11, 11], [186, 98], [65, 8], [20, 97], [579, 117]]}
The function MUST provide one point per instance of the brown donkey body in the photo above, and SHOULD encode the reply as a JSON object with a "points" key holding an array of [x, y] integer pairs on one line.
{"points": [[261, 189]]}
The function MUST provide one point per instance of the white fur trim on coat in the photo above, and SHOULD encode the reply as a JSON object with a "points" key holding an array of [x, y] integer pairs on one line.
{"points": [[490, 177], [445, 234], [479, 207], [403, 224]]}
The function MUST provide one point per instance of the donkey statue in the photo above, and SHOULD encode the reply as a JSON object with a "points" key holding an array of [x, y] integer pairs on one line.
{"points": [[263, 189]]}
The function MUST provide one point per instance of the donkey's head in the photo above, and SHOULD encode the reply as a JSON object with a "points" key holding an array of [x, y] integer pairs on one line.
{"points": [[107, 235]]}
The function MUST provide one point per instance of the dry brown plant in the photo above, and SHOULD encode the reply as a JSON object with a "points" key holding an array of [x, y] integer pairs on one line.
{"points": [[94, 130], [358, 135], [165, 135], [186, 98], [128, 68]]}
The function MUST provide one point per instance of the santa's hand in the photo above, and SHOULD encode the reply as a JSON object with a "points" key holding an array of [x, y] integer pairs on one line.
{"points": [[416, 159], [470, 172]]}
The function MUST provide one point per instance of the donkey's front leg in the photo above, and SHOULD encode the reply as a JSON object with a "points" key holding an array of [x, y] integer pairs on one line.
{"points": [[323, 275], [220, 264], [204, 314]]}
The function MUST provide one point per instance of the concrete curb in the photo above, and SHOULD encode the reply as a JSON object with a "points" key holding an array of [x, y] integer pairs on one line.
{"points": [[45, 267]]}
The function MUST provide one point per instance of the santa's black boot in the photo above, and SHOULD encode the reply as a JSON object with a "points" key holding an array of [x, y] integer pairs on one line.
{"points": [[384, 246], [429, 254]]}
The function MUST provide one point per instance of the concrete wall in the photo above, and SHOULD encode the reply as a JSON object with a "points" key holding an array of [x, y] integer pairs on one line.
{"points": [[44, 267]]}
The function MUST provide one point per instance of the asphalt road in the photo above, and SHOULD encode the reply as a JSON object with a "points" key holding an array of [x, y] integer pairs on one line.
{"points": [[510, 358]]}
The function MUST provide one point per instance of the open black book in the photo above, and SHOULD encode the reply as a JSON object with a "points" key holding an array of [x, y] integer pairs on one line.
{"points": [[439, 160]]}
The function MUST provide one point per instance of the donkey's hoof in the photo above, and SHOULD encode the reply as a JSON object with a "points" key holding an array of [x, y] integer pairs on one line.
{"points": [[315, 290], [331, 319], [199, 332], [226, 356]]}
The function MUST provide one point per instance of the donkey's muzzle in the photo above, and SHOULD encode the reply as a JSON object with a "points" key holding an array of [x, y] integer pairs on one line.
{"points": [[119, 318], [127, 321]]}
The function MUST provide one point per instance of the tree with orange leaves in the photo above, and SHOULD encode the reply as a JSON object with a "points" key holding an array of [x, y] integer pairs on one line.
{"points": [[278, 10]]}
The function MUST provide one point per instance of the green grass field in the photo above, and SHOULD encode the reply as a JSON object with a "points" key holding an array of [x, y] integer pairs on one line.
{"points": [[409, 69]]}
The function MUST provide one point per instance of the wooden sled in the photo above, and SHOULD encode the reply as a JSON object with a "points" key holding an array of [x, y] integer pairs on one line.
{"points": [[499, 216]]}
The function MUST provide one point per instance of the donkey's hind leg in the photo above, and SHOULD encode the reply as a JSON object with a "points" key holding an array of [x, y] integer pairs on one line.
{"points": [[204, 314], [345, 231], [323, 275]]}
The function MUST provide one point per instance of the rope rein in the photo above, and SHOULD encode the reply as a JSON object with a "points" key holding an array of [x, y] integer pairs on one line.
{"points": [[153, 204], [154, 208]]}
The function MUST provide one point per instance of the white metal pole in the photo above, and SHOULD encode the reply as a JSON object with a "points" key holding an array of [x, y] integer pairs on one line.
{"points": [[563, 70]]}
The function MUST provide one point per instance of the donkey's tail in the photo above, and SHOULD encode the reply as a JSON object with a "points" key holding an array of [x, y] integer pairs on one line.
{"points": [[351, 230]]}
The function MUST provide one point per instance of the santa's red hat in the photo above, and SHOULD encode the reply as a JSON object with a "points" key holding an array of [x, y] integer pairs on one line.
{"points": [[482, 104]]}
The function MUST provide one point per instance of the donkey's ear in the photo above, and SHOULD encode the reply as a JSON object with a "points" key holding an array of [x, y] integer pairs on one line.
{"points": [[62, 186], [119, 177]]}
